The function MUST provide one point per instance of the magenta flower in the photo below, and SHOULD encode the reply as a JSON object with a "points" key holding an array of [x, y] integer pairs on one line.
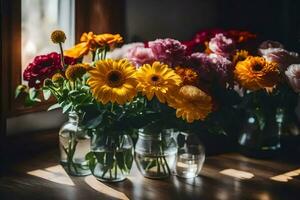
{"points": [[140, 55], [168, 51], [43, 67], [293, 75], [212, 69], [221, 45]]}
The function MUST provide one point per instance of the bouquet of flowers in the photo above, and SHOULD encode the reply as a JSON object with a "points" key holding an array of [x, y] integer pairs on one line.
{"points": [[153, 88], [268, 83]]}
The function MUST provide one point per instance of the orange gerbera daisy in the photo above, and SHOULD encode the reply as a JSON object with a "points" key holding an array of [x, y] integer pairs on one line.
{"points": [[188, 76], [90, 41], [256, 73]]}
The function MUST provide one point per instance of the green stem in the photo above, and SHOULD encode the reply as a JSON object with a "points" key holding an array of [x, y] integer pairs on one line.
{"points": [[116, 169], [163, 165], [168, 168], [93, 56], [110, 174], [158, 166], [62, 55]]}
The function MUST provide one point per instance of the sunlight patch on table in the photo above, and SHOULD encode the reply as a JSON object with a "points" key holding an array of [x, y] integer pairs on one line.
{"points": [[237, 173], [286, 176], [54, 174], [101, 187]]}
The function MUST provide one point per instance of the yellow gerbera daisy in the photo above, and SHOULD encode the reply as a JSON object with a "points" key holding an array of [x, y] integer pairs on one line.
{"points": [[191, 103], [157, 79], [256, 73], [113, 81], [240, 56]]}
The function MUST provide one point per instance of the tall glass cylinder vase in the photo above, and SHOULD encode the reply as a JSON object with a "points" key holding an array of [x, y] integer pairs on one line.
{"points": [[261, 133], [155, 153], [111, 156], [74, 144]]}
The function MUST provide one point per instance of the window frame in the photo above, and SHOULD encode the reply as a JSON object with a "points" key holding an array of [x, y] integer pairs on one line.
{"points": [[99, 16]]}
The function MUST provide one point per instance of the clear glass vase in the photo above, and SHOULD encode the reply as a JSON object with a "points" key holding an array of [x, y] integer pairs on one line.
{"points": [[261, 133], [111, 156], [190, 155], [74, 144], [155, 154]]}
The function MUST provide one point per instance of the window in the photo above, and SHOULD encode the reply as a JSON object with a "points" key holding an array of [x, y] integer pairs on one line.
{"points": [[39, 19], [25, 29]]}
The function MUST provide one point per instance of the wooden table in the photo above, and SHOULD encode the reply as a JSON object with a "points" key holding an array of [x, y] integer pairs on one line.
{"points": [[41, 177]]}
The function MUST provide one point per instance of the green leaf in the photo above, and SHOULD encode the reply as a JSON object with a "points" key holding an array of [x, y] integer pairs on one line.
{"points": [[47, 94], [54, 106], [90, 157], [32, 93], [67, 107], [29, 102], [91, 124], [73, 93]]}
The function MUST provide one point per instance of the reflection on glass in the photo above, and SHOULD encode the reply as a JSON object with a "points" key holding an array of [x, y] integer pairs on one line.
{"points": [[39, 19]]}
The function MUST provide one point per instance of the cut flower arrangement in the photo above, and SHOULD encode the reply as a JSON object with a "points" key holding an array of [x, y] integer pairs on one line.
{"points": [[152, 89]]}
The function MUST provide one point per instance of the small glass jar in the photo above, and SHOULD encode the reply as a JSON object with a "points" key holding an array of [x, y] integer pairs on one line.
{"points": [[74, 144], [111, 156], [190, 156], [155, 154]]}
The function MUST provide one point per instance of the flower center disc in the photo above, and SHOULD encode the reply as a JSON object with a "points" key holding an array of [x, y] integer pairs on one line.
{"points": [[155, 79], [257, 67], [115, 78]]}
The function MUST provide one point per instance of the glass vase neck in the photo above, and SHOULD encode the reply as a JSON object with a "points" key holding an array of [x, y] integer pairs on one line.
{"points": [[73, 117], [155, 135]]}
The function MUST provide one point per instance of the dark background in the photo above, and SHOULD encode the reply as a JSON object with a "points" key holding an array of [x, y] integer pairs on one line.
{"points": [[270, 19]]}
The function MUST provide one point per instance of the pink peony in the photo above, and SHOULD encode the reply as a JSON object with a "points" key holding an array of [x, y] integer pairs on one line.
{"points": [[140, 55], [293, 75], [212, 69], [221, 45], [168, 51], [274, 52]]}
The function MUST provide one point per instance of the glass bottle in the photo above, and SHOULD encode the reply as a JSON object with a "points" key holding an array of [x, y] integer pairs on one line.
{"points": [[190, 155], [74, 144], [155, 153], [260, 135], [111, 156]]}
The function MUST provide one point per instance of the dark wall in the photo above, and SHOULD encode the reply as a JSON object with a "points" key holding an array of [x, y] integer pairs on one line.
{"points": [[272, 19]]}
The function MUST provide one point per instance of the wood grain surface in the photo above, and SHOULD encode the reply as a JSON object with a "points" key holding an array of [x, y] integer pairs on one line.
{"points": [[226, 176]]}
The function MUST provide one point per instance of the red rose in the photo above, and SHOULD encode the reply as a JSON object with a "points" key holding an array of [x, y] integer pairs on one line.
{"points": [[44, 66]]}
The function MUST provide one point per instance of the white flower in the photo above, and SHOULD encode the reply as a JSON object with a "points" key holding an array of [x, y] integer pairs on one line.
{"points": [[293, 75], [274, 52], [120, 53]]}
